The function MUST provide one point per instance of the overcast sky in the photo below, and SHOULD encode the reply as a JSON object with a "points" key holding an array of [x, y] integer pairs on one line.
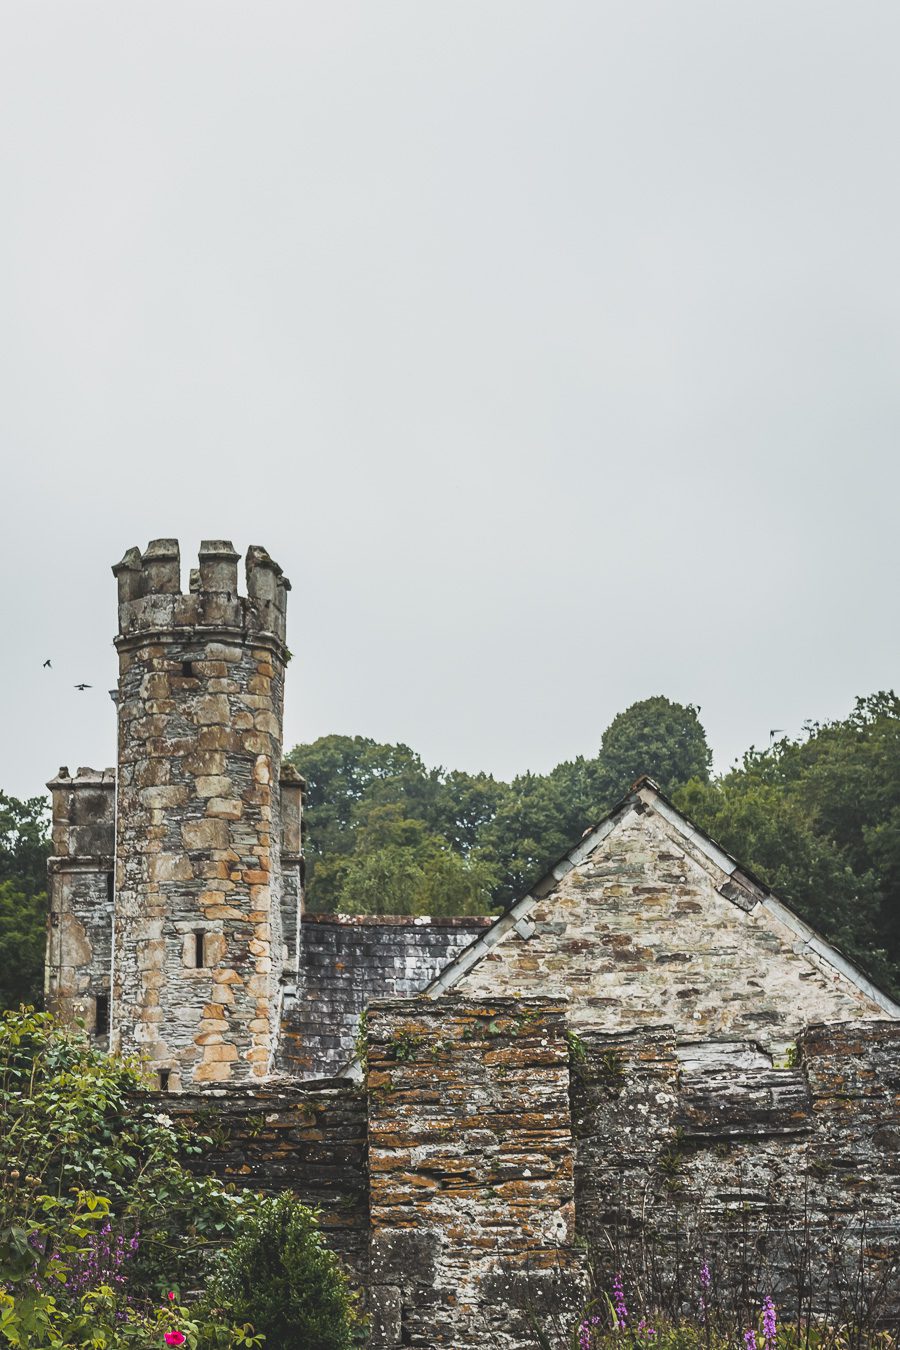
{"points": [[551, 348]]}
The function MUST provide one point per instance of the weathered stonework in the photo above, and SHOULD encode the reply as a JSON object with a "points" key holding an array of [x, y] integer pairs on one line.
{"points": [[695, 1150], [79, 923], [198, 917], [648, 1049], [650, 928], [471, 1171]]}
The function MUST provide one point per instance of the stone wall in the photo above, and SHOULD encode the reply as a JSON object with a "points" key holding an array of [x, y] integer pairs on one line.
{"points": [[650, 929], [346, 960], [705, 1151], [493, 1157], [79, 882], [292, 786], [471, 1166], [309, 1139], [198, 945]]}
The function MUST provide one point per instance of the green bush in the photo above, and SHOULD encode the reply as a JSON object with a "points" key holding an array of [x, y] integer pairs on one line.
{"points": [[280, 1276], [101, 1222]]}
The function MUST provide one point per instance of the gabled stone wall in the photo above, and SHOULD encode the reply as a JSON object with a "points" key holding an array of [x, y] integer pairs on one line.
{"points": [[649, 930]]}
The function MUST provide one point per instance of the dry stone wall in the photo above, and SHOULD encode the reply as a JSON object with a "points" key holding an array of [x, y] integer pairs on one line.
{"points": [[198, 943], [493, 1158], [705, 1151], [306, 1138], [471, 1171]]}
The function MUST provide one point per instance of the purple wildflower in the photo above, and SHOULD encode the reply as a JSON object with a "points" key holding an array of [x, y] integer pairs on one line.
{"points": [[619, 1301], [769, 1327], [705, 1277], [749, 1340]]}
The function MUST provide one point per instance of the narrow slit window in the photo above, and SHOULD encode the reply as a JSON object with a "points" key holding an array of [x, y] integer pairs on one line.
{"points": [[187, 669], [199, 945], [101, 1015], [164, 1079], [110, 886]]}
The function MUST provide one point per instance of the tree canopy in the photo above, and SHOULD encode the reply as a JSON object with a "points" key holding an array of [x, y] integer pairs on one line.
{"points": [[24, 847], [816, 817], [385, 833]]}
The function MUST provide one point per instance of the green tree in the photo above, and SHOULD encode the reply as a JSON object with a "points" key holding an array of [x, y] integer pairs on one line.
{"points": [[22, 929], [24, 845], [657, 737], [346, 778], [24, 848], [528, 833]]}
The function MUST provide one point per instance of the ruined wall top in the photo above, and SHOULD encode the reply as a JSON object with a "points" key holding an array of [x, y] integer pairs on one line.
{"points": [[83, 812], [151, 600]]}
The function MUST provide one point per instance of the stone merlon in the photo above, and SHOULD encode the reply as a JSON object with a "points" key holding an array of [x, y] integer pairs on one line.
{"points": [[151, 599]]}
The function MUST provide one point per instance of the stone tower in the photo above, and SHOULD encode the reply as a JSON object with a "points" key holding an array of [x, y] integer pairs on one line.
{"points": [[199, 912]]}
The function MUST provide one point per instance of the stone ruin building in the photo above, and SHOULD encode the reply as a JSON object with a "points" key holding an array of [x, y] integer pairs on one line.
{"points": [[648, 1021]]}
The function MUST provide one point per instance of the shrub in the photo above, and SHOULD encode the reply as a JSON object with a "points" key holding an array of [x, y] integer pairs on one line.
{"points": [[100, 1220], [280, 1276]]}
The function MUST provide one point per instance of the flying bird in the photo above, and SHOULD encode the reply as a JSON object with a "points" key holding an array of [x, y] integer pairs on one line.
{"points": [[84, 686], [777, 731], [47, 663]]}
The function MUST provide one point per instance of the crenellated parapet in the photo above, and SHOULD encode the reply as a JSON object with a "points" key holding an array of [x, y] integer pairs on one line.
{"points": [[151, 599]]}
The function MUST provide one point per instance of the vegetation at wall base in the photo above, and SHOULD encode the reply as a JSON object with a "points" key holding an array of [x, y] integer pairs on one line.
{"points": [[675, 1298], [280, 1274], [102, 1222]]}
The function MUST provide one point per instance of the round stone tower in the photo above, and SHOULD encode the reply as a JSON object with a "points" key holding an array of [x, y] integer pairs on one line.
{"points": [[197, 944]]}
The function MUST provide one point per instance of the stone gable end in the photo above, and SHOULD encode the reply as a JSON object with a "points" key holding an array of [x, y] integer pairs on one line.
{"points": [[638, 934]]}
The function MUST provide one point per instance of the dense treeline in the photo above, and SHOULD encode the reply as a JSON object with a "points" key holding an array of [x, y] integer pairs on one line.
{"points": [[818, 818], [386, 834]]}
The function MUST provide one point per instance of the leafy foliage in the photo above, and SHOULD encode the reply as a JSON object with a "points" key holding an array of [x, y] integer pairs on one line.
{"points": [[100, 1220], [386, 834], [818, 818], [24, 847], [280, 1273]]}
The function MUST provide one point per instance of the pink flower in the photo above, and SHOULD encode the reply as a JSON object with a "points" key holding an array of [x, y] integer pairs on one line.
{"points": [[171, 1295], [173, 1338]]}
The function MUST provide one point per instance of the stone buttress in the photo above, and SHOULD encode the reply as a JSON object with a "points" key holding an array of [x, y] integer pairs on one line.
{"points": [[197, 942]]}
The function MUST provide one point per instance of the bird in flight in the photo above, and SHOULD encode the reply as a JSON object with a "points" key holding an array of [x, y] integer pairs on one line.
{"points": [[47, 663], [84, 686]]}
